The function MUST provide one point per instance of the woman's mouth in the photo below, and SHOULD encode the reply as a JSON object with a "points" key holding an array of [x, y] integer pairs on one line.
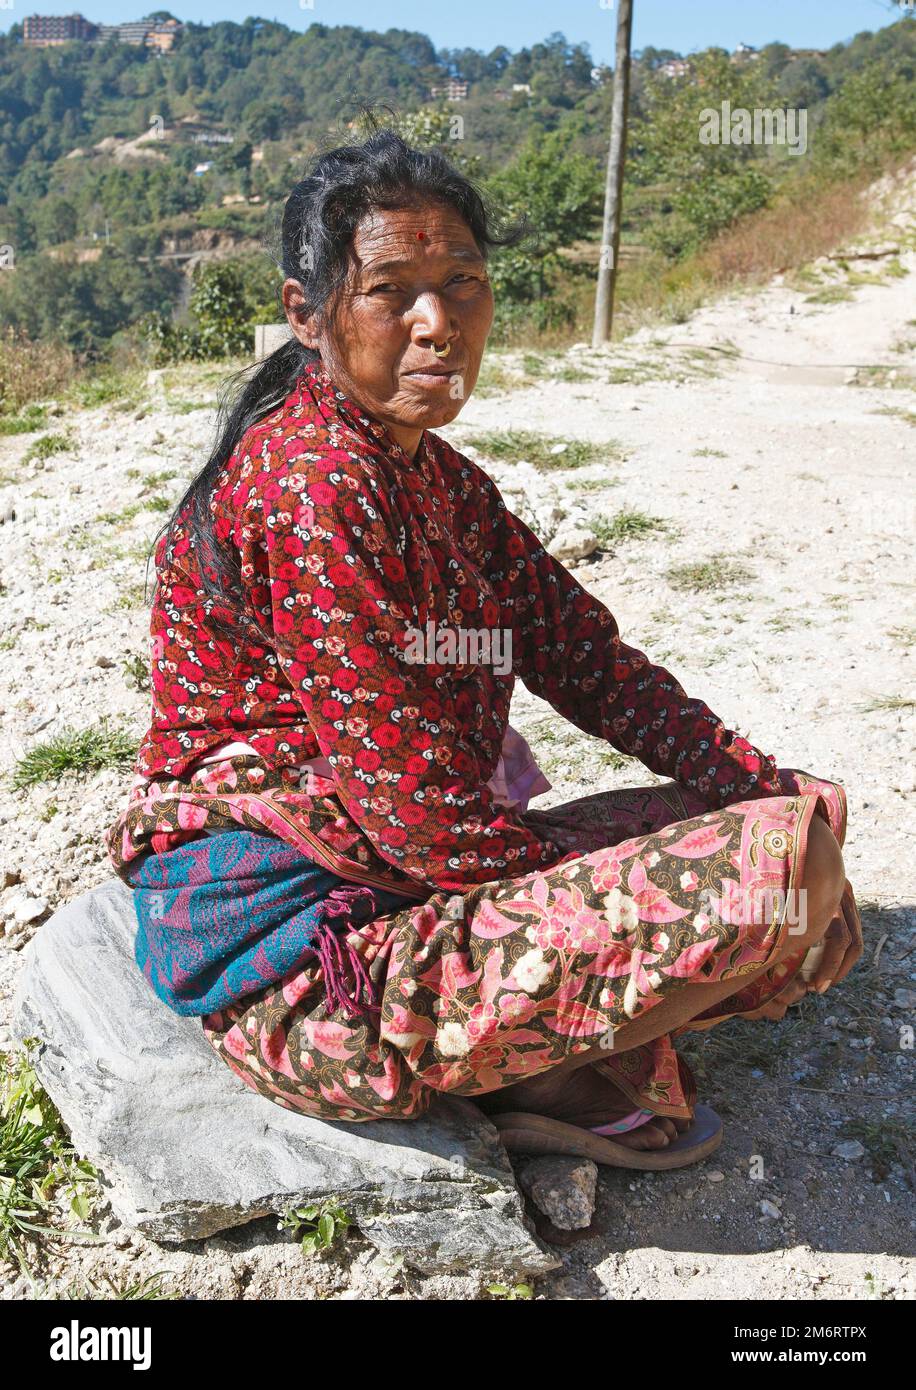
{"points": [[433, 376]]}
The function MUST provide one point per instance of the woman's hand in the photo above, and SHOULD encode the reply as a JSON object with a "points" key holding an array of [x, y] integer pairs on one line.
{"points": [[843, 945], [775, 1008]]}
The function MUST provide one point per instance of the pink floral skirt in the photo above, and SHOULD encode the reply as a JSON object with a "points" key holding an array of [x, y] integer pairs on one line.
{"points": [[482, 988]]}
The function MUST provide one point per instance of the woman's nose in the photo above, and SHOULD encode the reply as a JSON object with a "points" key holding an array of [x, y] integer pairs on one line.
{"points": [[431, 318]]}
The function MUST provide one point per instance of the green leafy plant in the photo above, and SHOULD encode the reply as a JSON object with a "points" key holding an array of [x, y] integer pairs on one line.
{"points": [[322, 1224], [42, 1179], [510, 1293]]}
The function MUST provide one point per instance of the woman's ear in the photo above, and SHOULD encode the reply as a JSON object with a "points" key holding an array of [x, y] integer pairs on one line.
{"points": [[304, 327]]}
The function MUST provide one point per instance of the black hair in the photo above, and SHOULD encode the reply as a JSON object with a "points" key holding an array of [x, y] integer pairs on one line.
{"points": [[320, 218]]}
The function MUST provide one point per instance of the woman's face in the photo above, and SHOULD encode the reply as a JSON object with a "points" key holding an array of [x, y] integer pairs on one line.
{"points": [[416, 279]]}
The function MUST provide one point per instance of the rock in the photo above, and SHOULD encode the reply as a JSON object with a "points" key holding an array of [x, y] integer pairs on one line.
{"points": [[850, 1149], [573, 543], [8, 877], [771, 1210], [187, 1149], [562, 1188], [41, 721], [715, 1176], [25, 909], [905, 998], [104, 661]]}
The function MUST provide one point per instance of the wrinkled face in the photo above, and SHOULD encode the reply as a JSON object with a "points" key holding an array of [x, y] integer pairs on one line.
{"points": [[416, 279]]}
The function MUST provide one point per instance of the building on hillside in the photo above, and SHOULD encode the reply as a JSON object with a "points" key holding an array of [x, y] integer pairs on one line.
{"points": [[745, 53], [453, 90], [675, 67], [153, 33], [45, 31], [163, 34], [212, 137]]}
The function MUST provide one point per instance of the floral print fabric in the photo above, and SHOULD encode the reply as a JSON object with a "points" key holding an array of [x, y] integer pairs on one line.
{"points": [[503, 980], [347, 548]]}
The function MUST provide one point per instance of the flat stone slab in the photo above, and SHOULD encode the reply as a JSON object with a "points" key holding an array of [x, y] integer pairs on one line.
{"points": [[186, 1149]]}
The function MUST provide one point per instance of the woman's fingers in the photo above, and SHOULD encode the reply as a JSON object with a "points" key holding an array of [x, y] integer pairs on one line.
{"points": [[795, 990], [836, 943], [854, 926], [842, 944]]}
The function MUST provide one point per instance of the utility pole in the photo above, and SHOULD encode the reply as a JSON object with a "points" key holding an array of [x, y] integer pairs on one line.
{"points": [[613, 192]]}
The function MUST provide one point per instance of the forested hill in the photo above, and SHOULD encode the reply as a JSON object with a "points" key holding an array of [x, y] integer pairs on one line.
{"points": [[112, 154]]}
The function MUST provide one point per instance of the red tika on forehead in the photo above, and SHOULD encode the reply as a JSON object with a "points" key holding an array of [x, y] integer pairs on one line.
{"points": [[421, 236]]}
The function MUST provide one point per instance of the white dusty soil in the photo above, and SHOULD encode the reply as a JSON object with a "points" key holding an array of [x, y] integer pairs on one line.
{"points": [[793, 464]]}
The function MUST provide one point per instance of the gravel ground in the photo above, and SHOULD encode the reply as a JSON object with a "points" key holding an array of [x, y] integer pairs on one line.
{"points": [[773, 430]]}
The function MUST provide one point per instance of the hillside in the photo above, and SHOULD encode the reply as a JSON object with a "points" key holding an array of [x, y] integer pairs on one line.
{"points": [[113, 156]]}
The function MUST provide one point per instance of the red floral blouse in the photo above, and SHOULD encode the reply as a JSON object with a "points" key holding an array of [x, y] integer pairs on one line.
{"points": [[352, 553]]}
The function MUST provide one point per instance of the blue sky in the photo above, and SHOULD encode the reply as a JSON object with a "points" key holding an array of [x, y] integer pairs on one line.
{"points": [[680, 24]]}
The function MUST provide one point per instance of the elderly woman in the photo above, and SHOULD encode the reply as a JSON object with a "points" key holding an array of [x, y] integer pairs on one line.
{"points": [[334, 864]]}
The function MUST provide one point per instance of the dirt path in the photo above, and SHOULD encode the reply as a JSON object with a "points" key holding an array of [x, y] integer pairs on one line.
{"points": [[784, 460]]}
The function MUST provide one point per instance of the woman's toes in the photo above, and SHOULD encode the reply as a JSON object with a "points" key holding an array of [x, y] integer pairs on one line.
{"points": [[653, 1136]]}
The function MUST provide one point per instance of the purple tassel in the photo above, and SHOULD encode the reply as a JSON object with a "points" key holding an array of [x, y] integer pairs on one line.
{"points": [[346, 906]]}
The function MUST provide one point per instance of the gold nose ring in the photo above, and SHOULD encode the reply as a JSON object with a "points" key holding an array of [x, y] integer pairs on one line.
{"points": [[442, 352]]}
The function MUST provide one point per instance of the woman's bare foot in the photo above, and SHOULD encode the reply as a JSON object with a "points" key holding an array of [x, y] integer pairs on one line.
{"points": [[582, 1097]]}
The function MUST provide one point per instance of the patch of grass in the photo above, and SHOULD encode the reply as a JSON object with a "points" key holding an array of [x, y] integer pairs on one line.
{"points": [[179, 407], [49, 811], [704, 575], [117, 518], [637, 373], [617, 761], [810, 477], [495, 379], [905, 636], [47, 446], [627, 526], [886, 1141], [534, 366], [541, 450], [785, 622], [74, 750], [131, 596], [908, 416], [322, 1224], [830, 294], [42, 1178], [154, 480], [886, 378], [32, 418], [122, 389], [136, 673], [158, 503], [137, 1289], [510, 1293], [888, 702], [709, 454]]}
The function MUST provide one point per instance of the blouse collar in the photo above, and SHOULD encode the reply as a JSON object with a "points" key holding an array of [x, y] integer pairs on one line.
{"points": [[317, 380]]}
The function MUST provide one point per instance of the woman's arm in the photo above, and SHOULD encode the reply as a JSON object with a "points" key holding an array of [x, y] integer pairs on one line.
{"points": [[323, 565], [567, 649]]}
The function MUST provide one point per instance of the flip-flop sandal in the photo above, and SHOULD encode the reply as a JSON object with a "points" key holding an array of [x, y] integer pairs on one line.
{"points": [[524, 1133]]}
